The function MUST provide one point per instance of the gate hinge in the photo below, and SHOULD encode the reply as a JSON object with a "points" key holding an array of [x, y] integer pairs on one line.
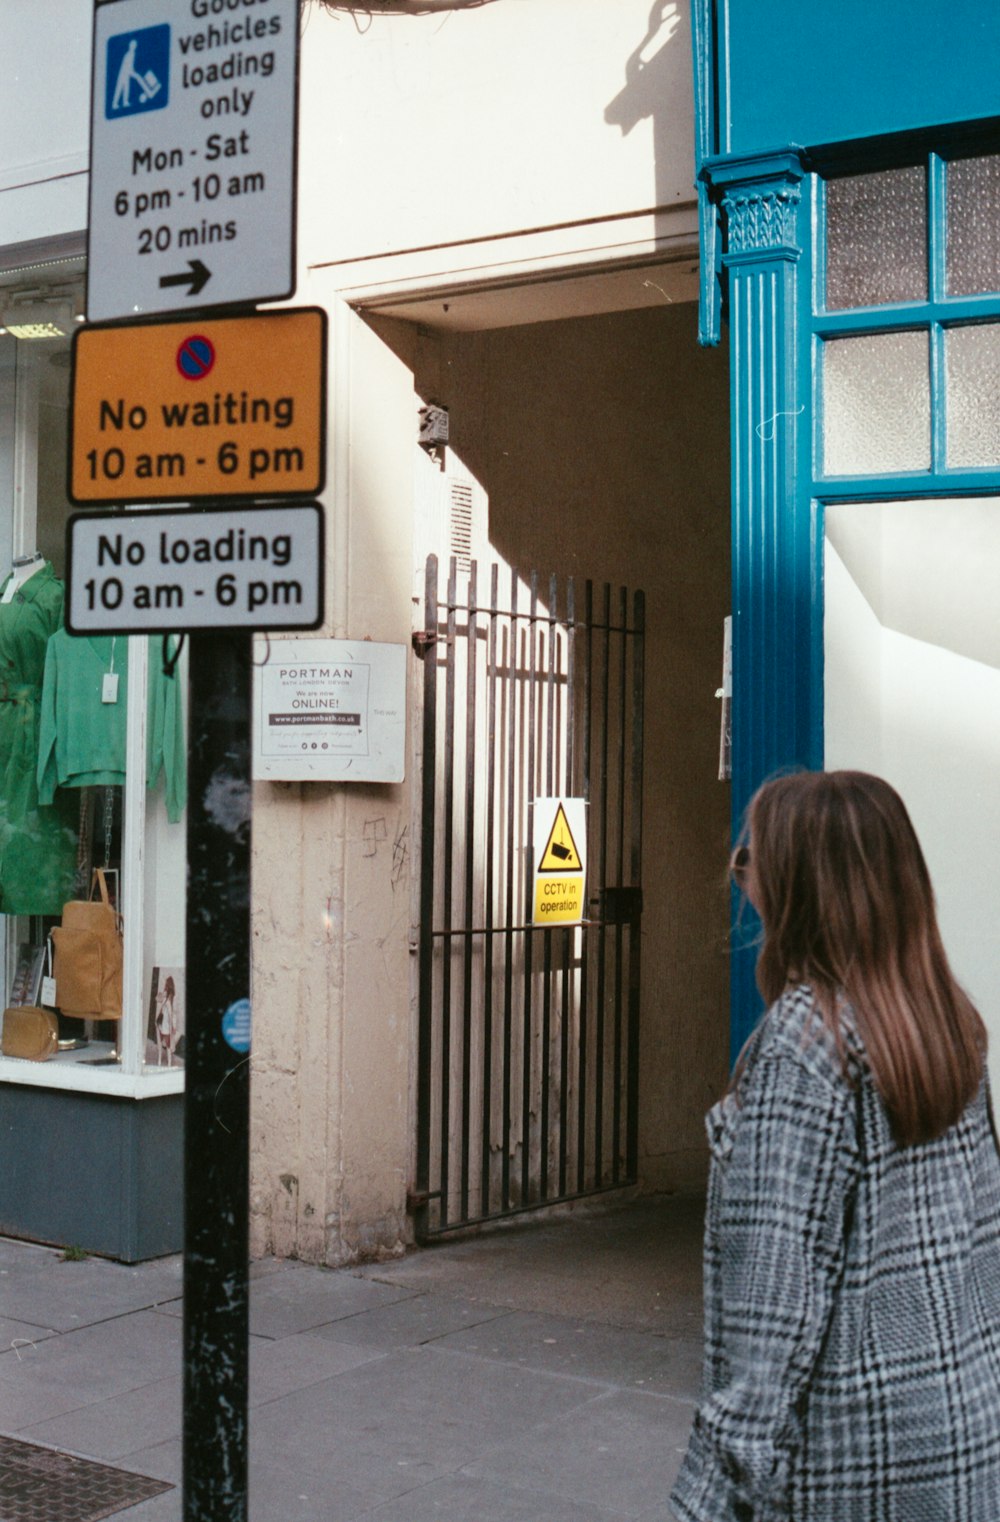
{"points": [[422, 639], [416, 1199]]}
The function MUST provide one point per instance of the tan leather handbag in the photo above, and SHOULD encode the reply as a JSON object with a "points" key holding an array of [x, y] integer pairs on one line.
{"points": [[29, 1031], [88, 956]]}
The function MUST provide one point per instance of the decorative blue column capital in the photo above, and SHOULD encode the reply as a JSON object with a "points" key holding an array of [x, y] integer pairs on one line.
{"points": [[760, 195]]}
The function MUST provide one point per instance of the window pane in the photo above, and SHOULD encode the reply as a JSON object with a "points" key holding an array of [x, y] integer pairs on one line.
{"points": [[974, 226], [876, 238], [876, 404], [973, 367]]}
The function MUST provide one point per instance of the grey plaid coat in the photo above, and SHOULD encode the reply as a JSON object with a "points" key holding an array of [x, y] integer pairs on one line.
{"points": [[852, 1318]]}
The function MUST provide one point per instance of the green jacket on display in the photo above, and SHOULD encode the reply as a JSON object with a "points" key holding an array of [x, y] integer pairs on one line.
{"points": [[82, 736], [37, 846]]}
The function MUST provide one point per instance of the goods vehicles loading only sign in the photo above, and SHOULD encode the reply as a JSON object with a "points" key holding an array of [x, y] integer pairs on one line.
{"points": [[192, 155], [199, 407]]}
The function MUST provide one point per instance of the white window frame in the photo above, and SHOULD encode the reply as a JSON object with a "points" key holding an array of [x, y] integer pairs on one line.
{"points": [[130, 1077]]}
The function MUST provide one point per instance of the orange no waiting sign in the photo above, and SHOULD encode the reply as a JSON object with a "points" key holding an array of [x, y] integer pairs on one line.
{"points": [[195, 408]]}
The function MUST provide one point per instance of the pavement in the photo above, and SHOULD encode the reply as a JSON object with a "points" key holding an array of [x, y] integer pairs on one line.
{"points": [[544, 1371]]}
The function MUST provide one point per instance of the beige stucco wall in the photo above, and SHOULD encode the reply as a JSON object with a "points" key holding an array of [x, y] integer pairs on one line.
{"points": [[434, 128], [495, 147], [44, 150], [331, 1122]]}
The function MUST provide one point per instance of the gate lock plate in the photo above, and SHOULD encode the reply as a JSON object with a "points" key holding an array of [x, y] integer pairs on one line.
{"points": [[619, 906]]}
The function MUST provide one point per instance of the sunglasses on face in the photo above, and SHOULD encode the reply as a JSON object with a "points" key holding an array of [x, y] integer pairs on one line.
{"points": [[740, 863]]}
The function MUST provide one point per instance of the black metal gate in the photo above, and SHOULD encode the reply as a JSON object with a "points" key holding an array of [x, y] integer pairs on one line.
{"points": [[528, 1034]]}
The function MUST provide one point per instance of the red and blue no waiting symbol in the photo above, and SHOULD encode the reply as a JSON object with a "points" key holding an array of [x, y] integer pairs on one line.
{"points": [[195, 357]]}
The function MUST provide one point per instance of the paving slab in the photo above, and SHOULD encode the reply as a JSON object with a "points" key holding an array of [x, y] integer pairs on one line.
{"points": [[562, 1345], [621, 1451], [144, 1415], [411, 1322], [466, 1498], [634, 1264], [413, 1416], [278, 1368], [80, 1368], [15, 1336], [110, 1429], [38, 1285], [300, 1297]]}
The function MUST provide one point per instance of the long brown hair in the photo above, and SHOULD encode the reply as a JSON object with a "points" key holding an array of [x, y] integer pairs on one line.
{"points": [[839, 880]]}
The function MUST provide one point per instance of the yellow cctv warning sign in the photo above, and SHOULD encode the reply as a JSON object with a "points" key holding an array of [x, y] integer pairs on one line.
{"points": [[560, 854], [560, 842], [194, 408]]}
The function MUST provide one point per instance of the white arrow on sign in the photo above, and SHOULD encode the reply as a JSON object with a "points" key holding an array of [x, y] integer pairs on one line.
{"points": [[192, 156]]}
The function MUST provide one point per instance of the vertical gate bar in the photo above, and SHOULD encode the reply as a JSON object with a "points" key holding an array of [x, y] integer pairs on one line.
{"points": [[550, 788], [550, 685], [470, 863], [491, 774], [571, 687], [508, 992], [569, 936], [449, 874], [623, 752], [635, 872], [588, 674], [428, 784], [526, 1063], [603, 875]]}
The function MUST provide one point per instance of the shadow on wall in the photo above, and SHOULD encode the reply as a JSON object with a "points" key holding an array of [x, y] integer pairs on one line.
{"points": [[657, 86]]}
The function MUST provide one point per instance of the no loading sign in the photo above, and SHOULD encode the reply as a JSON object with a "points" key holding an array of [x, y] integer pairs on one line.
{"points": [[160, 571]]}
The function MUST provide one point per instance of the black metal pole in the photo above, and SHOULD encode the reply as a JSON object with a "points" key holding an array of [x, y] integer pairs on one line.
{"points": [[217, 1081]]}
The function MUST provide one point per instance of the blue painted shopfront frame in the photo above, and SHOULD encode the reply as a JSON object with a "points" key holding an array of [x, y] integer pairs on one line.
{"points": [[763, 260]]}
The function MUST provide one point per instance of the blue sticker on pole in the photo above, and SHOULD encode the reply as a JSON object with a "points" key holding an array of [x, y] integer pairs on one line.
{"points": [[137, 76], [236, 1025]]}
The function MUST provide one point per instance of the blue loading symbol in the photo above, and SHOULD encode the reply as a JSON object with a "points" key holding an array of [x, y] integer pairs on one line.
{"points": [[137, 77]]}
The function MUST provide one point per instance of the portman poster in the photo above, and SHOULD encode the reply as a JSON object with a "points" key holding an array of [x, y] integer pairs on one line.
{"points": [[330, 710]]}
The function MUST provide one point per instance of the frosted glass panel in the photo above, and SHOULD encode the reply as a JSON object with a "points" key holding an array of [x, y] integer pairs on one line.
{"points": [[876, 239], [974, 226], [973, 365], [876, 404]]}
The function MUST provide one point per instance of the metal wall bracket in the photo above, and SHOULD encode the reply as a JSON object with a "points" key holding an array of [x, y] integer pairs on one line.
{"points": [[422, 640]]}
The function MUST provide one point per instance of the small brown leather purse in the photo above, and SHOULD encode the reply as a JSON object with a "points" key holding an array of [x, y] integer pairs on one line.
{"points": [[29, 1031]]}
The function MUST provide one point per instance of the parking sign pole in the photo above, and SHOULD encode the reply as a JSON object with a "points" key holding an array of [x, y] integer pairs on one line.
{"points": [[217, 1080], [191, 409]]}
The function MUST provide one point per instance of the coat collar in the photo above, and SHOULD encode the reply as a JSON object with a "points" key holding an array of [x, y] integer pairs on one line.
{"points": [[37, 582]]}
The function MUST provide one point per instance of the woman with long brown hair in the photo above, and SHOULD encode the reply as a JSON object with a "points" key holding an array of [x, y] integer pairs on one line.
{"points": [[852, 1239]]}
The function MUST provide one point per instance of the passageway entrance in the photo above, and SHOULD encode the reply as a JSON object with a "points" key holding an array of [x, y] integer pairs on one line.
{"points": [[528, 1034]]}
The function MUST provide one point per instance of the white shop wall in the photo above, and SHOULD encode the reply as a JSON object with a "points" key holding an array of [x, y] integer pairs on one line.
{"points": [[44, 110], [428, 129], [925, 712]]}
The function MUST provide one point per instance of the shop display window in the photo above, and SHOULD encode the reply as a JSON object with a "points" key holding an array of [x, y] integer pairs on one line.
{"points": [[92, 765]]}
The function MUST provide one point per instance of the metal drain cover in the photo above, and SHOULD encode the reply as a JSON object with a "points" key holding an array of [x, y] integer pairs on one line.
{"points": [[41, 1485]]}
